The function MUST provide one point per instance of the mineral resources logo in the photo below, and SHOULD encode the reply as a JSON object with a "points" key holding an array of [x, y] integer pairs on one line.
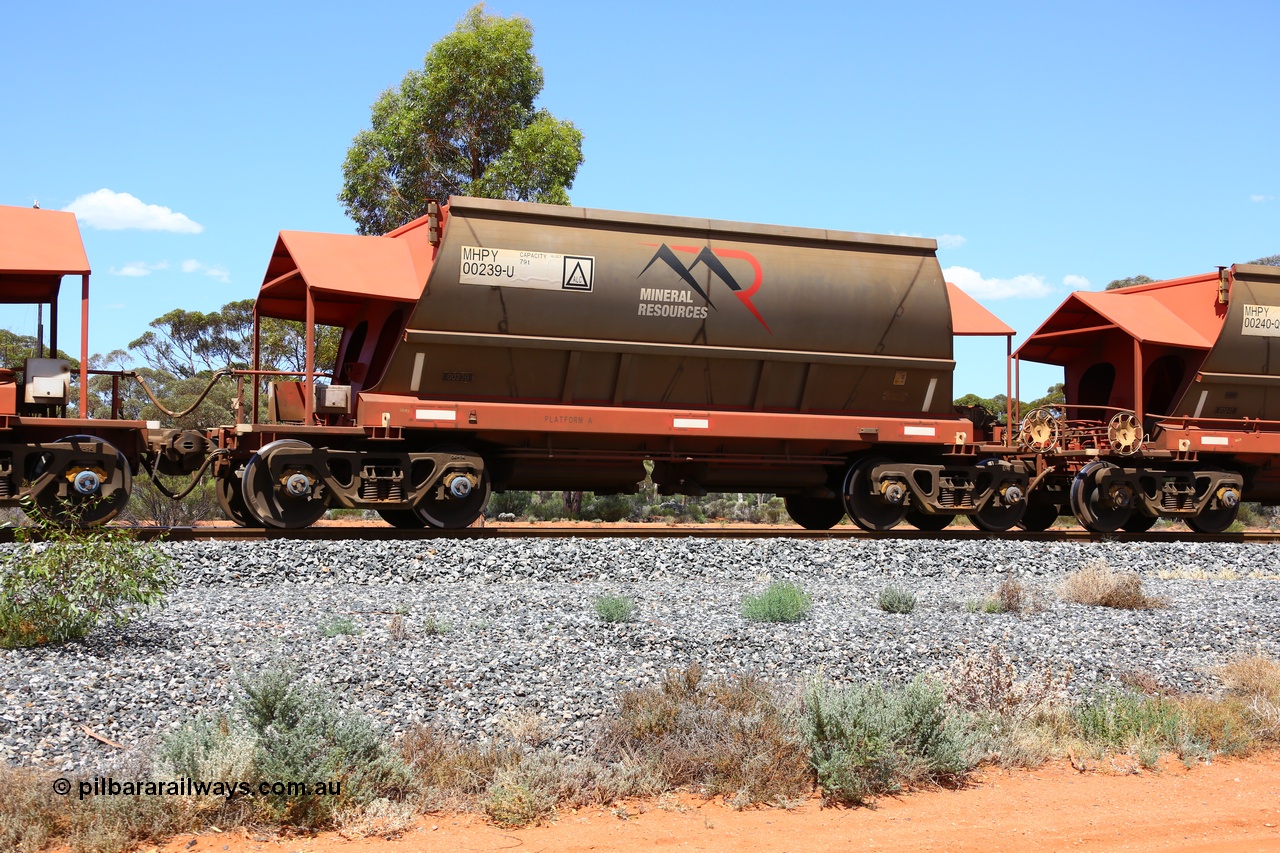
{"points": [[666, 302]]}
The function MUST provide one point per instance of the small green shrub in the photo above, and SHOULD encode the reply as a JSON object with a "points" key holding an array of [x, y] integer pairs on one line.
{"points": [[339, 626], [781, 602], [1011, 596], [433, 627], [986, 604], [895, 600], [59, 589], [301, 736], [867, 740], [1123, 719], [608, 508], [520, 796], [516, 503], [615, 608]]}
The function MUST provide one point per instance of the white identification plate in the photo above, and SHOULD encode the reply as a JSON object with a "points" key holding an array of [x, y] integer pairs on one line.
{"points": [[518, 268], [1261, 321]]}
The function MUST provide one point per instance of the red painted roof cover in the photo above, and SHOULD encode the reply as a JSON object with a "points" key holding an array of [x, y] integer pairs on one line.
{"points": [[1180, 312], [340, 270], [970, 318], [37, 248]]}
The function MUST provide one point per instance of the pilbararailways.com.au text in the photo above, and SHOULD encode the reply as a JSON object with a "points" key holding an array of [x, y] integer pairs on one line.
{"points": [[100, 786]]}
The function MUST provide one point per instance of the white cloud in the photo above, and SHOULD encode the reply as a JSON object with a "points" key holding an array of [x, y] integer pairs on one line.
{"points": [[193, 266], [1075, 282], [1260, 198], [113, 211], [1021, 286], [944, 241], [139, 268]]}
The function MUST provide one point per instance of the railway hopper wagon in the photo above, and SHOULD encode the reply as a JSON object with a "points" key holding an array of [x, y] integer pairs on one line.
{"points": [[1172, 403], [77, 468], [496, 345]]}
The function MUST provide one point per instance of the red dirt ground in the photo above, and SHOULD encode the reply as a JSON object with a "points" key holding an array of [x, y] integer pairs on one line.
{"points": [[1227, 806]]}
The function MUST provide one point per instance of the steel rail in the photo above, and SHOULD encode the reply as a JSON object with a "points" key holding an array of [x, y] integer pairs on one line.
{"points": [[661, 531]]}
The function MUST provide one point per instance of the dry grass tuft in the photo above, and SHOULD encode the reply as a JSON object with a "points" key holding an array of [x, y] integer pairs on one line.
{"points": [[1098, 585], [1023, 721], [1011, 596], [525, 727], [1146, 684], [1217, 726], [1254, 682], [511, 781], [728, 736], [1252, 677], [989, 683], [380, 819], [454, 773], [1016, 597], [31, 816], [1186, 574]]}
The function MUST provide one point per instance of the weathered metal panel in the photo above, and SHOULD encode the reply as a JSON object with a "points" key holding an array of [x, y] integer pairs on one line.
{"points": [[1240, 378], [576, 305]]}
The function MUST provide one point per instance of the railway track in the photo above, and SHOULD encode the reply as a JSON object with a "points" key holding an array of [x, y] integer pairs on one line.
{"points": [[659, 531]]}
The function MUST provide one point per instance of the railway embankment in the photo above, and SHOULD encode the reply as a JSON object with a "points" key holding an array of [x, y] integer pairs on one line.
{"points": [[470, 635]]}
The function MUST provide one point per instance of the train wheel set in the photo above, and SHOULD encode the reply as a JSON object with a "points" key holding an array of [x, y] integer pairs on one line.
{"points": [[495, 345]]}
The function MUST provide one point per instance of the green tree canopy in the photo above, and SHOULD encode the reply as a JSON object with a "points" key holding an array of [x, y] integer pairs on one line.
{"points": [[1269, 260], [187, 343], [463, 125], [1131, 281], [998, 405], [15, 349]]}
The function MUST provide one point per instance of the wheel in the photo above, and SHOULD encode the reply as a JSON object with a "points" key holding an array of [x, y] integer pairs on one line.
{"points": [[865, 508], [402, 519], [996, 516], [1095, 510], [229, 490], [928, 521], [998, 519], [1220, 513], [1039, 517], [91, 498], [451, 513], [272, 503], [1214, 520], [1139, 522], [814, 513]]}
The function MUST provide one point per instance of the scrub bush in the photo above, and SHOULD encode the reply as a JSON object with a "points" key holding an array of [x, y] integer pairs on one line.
{"points": [[781, 602], [60, 587]]}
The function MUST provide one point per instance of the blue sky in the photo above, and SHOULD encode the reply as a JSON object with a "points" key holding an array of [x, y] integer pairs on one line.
{"points": [[1049, 147]]}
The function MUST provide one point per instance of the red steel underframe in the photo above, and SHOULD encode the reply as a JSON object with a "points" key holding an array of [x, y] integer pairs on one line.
{"points": [[386, 410], [1206, 437]]}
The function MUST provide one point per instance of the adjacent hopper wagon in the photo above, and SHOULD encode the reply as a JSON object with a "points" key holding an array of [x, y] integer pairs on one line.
{"points": [[1172, 403], [76, 468]]}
